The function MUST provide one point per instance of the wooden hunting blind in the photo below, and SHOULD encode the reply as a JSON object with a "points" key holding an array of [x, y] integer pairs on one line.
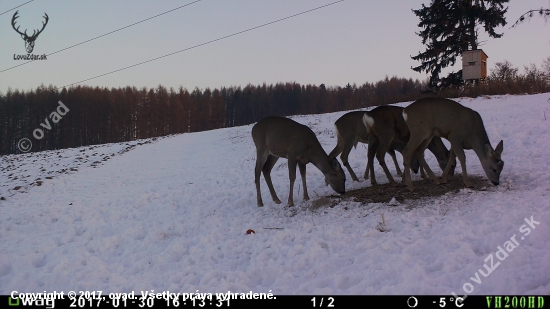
{"points": [[474, 65]]}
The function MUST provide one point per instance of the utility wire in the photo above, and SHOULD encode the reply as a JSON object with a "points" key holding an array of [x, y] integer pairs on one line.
{"points": [[15, 7], [97, 37], [205, 43]]}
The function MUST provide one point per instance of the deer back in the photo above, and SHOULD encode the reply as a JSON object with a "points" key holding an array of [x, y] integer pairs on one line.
{"points": [[350, 127], [444, 117], [285, 138], [388, 120]]}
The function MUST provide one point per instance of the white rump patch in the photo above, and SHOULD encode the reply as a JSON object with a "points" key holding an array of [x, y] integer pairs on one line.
{"points": [[404, 115], [368, 120]]}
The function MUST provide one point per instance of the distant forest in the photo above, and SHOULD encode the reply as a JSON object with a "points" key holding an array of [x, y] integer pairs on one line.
{"points": [[102, 115]]}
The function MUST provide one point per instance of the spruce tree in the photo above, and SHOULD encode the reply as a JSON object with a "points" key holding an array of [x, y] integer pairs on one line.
{"points": [[451, 27]]}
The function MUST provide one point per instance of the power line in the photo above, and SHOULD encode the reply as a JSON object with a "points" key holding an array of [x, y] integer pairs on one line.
{"points": [[205, 43], [16, 7], [97, 37]]}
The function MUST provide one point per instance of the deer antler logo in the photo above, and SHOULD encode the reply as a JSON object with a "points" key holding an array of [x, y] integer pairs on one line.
{"points": [[29, 40]]}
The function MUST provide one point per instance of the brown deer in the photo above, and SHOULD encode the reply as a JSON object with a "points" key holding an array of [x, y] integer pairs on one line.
{"points": [[280, 137], [461, 126], [385, 125], [29, 40], [351, 130]]}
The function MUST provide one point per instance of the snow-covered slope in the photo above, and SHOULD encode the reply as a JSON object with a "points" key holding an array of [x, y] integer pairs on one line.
{"points": [[173, 215]]}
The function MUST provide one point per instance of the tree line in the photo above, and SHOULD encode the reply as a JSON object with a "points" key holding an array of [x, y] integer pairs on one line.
{"points": [[99, 115]]}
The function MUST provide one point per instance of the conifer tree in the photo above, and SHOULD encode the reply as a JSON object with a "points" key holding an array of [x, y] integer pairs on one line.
{"points": [[451, 27]]}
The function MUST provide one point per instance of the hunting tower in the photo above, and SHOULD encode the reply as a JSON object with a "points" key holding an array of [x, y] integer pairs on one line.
{"points": [[474, 65]]}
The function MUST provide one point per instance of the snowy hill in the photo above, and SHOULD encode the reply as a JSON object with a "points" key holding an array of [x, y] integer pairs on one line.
{"points": [[173, 214]]}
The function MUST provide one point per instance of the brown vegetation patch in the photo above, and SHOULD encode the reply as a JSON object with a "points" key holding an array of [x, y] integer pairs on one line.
{"points": [[324, 202], [383, 193]]}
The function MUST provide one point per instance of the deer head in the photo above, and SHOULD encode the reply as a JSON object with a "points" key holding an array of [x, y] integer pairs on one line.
{"points": [[29, 40], [492, 163]]}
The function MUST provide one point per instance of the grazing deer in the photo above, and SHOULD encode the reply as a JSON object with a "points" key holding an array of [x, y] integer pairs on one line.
{"points": [[350, 130], [464, 129], [280, 137], [29, 40], [385, 125]]}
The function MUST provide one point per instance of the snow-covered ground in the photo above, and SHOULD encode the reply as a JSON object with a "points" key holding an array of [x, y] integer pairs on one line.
{"points": [[173, 215]]}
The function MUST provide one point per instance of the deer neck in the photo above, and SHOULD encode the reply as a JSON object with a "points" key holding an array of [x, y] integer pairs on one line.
{"points": [[320, 159], [479, 141]]}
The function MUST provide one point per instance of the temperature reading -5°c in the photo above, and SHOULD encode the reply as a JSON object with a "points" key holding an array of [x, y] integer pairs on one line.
{"points": [[328, 302], [457, 302]]}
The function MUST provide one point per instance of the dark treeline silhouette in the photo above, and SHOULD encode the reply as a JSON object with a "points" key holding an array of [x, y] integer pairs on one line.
{"points": [[102, 115]]}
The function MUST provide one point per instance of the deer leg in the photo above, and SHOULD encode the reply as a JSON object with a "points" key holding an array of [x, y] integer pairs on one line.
{"points": [[381, 153], [399, 146], [261, 157], [447, 169], [462, 158], [408, 153], [268, 166], [344, 157], [303, 175], [367, 169], [415, 165], [420, 155], [292, 176], [392, 154], [429, 171], [336, 151], [422, 172], [373, 148], [415, 161]]}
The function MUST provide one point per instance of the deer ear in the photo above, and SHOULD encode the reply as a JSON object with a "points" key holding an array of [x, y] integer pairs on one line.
{"points": [[488, 149], [498, 149]]}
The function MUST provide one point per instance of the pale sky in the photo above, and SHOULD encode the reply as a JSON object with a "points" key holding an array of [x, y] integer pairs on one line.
{"points": [[354, 41]]}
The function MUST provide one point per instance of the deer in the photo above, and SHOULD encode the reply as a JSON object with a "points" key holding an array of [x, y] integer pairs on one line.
{"points": [[386, 125], [461, 126], [350, 130], [280, 137], [29, 40]]}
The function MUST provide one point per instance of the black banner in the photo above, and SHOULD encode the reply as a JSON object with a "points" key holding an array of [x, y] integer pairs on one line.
{"points": [[240, 300]]}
